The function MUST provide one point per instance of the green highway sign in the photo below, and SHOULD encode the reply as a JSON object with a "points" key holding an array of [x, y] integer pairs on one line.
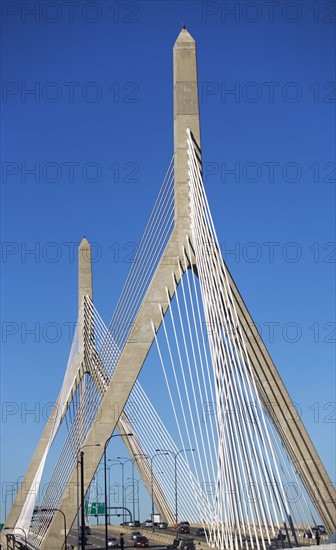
{"points": [[94, 508]]}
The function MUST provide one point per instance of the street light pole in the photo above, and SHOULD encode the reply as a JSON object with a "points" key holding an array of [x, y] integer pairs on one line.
{"points": [[96, 479], [122, 487], [123, 461], [82, 500], [135, 481], [97, 499], [139, 456], [152, 491], [109, 493], [65, 528], [138, 488], [81, 461], [175, 472], [105, 480], [132, 462]]}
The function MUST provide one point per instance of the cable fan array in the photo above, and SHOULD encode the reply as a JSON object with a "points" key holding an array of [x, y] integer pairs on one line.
{"points": [[221, 464], [240, 447], [239, 482]]}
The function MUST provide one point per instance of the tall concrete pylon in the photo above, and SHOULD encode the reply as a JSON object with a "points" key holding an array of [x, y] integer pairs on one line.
{"points": [[186, 115], [272, 390]]}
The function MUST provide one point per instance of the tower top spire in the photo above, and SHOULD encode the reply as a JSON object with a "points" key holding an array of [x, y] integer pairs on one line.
{"points": [[84, 270], [184, 38], [186, 115]]}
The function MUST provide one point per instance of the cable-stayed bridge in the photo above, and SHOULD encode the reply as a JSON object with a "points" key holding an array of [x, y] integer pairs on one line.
{"points": [[249, 470]]}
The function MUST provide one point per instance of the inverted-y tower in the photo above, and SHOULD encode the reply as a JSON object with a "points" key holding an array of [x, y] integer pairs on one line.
{"points": [[270, 386]]}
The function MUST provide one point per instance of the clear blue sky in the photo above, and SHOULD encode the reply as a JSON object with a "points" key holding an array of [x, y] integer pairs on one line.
{"points": [[98, 131]]}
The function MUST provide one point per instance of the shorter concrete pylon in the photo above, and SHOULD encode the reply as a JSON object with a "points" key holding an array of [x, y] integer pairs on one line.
{"points": [[84, 271]]}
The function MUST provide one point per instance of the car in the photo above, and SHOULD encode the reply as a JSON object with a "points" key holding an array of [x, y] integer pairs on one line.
{"points": [[130, 524], [320, 528], [180, 523], [141, 542], [112, 542], [149, 523], [184, 529], [162, 525], [135, 534], [200, 532]]}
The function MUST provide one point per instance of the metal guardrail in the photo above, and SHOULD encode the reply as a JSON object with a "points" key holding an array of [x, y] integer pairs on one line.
{"points": [[19, 539]]}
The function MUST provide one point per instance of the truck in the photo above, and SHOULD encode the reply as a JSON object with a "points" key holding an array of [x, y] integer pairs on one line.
{"points": [[156, 518]]}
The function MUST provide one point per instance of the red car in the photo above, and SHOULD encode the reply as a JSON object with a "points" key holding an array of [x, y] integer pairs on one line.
{"points": [[141, 542]]}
